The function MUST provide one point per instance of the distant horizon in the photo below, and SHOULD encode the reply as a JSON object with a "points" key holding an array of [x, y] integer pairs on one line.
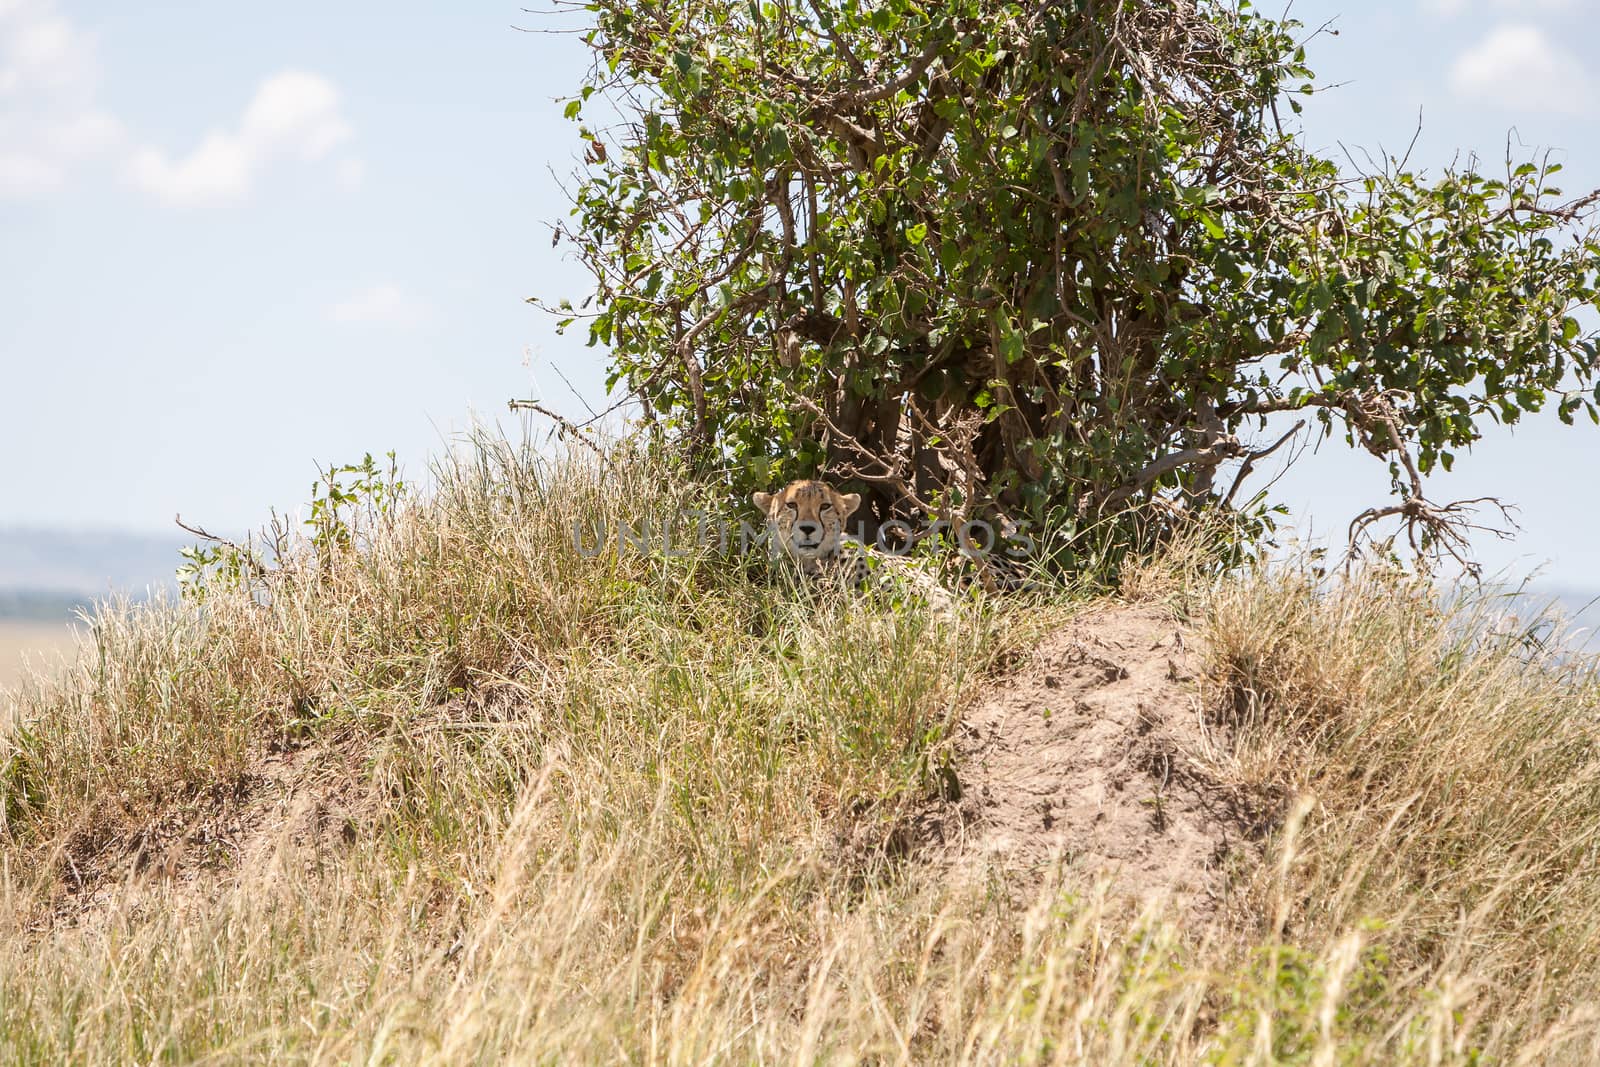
{"points": [[62, 561]]}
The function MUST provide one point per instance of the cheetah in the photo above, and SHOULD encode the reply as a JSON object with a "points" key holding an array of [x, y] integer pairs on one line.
{"points": [[805, 520]]}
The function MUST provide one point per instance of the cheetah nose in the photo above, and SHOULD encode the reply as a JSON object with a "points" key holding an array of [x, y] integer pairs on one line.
{"points": [[808, 530]]}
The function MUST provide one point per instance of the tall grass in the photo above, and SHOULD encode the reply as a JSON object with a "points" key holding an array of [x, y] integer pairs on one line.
{"points": [[645, 808]]}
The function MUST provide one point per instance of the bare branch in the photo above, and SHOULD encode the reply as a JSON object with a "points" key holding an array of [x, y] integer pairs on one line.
{"points": [[246, 556], [1172, 461], [1436, 529], [567, 427], [1250, 461]]}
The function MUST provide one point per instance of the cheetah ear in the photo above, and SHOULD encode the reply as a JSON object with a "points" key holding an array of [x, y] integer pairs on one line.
{"points": [[848, 502], [762, 501]]}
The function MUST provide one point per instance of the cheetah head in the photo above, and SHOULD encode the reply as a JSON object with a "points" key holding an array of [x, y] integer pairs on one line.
{"points": [[806, 519]]}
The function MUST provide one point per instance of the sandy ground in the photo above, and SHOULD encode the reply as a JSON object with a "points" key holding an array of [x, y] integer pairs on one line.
{"points": [[36, 646], [1098, 753]]}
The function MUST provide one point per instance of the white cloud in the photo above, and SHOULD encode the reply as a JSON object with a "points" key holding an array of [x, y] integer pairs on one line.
{"points": [[51, 124], [380, 305], [48, 119], [293, 115], [1518, 66], [41, 51]]}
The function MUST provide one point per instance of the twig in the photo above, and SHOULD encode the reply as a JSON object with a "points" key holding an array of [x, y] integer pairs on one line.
{"points": [[566, 426], [245, 554], [1250, 461], [203, 533], [892, 476], [594, 416]]}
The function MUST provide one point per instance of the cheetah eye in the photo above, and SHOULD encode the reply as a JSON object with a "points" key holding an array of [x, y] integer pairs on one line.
{"points": [[792, 506], [827, 507]]}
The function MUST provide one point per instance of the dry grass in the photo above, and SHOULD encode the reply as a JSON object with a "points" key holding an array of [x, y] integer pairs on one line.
{"points": [[607, 800]]}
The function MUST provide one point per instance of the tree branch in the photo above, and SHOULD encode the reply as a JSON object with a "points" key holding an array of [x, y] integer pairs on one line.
{"points": [[1189, 457]]}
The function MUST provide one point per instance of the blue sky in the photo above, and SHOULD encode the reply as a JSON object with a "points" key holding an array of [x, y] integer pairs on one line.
{"points": [[240, 244]]}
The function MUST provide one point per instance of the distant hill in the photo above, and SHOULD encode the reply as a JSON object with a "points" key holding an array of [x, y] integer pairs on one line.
{"points": [[1582, 608], [45, 574], [28, 605]]}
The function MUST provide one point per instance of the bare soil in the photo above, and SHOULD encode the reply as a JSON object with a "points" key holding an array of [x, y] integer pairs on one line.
{"points": [[1097, 754]]}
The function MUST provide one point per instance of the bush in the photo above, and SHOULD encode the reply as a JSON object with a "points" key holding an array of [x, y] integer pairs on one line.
{"points": [[1041, 263]]}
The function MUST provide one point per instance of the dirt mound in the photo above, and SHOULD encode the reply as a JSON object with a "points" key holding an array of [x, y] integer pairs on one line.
{"points": [[1097, 751], [1094, 752], [314, 797]]}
